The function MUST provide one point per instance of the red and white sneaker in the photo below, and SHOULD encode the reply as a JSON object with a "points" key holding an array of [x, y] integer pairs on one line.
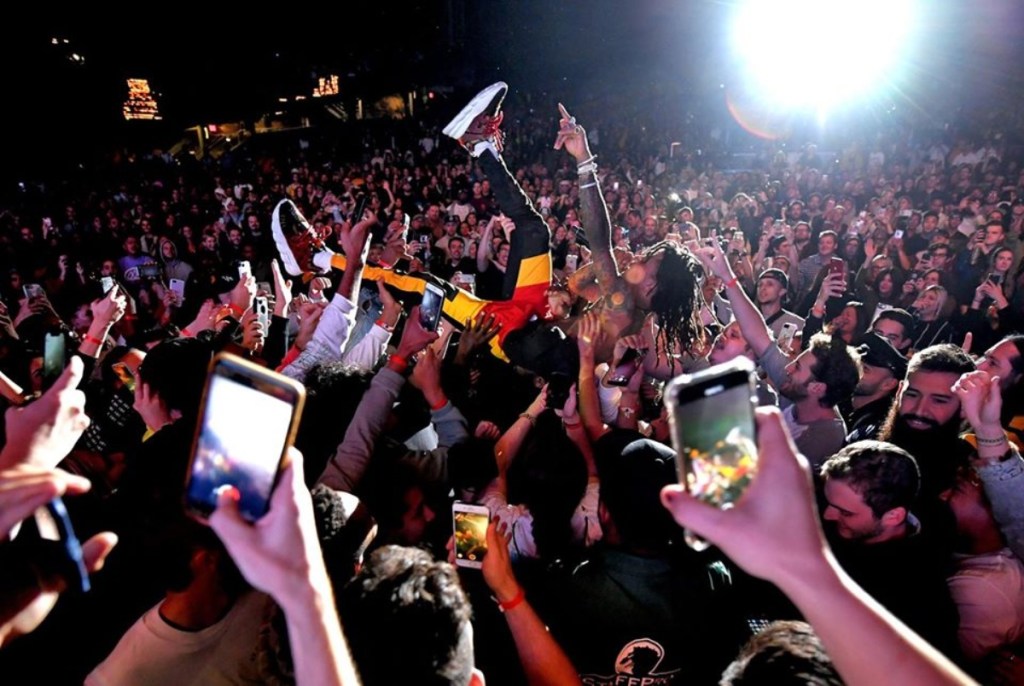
{"points": [[479, 122], [297, 241]]}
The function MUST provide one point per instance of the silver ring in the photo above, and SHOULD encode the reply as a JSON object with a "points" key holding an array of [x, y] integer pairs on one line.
{"points": [[572, 120], [577, 128]]}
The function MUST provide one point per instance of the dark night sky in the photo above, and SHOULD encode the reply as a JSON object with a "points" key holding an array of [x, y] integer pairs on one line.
{"points": [[226, 63]]}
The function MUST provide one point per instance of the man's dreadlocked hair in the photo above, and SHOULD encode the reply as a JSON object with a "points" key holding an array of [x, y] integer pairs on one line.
{"points": [[677, 299]]}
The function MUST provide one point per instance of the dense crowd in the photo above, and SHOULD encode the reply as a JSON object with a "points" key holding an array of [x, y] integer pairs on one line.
{"points": [[879, 292]]}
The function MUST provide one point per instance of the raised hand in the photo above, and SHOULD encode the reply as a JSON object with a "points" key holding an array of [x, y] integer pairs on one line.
{"points": [[570, 411], [253, 334], [276, 553], [391, 309], [981, 401], [25, 488], [414, 337], [110, 308], [354, 240], [571, 136], [426, 376], [43, 432], [309, 316], [771, 537], [497, 565], [477, 333], [242, 294], [714, 260], [833, 286]]}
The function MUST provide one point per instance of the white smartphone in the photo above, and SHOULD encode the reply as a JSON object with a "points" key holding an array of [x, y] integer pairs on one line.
{"points": [[178, 286], [572, 261], [430, 307], [261, 306], [469, 525], [107, 282], [897, 234], [786, 335], [244, 269]]}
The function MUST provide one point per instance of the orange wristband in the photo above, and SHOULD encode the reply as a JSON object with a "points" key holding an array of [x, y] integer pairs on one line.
{"points": [[398, 361], [437, 406], [92, 339], [732, 282]]}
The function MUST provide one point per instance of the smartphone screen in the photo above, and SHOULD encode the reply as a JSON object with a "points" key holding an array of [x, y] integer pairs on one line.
{"points": [[122, 372], [33, 290], [248, 420], [430, 307], [470, 531], [713, 432], [106, 283], [54, 357], [262, 308], [786, 335], [360, 207]]}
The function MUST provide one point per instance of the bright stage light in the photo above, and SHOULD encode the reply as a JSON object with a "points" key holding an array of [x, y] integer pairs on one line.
{"points": [[818, 54]]}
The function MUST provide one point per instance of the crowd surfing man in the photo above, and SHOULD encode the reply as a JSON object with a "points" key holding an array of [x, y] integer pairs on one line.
{"points": [[662, 280]]}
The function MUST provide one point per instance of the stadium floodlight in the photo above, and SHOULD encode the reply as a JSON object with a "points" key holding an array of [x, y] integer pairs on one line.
{"points": [[818, 54]]}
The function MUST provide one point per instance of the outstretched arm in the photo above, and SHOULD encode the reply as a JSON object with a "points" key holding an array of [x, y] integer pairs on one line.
{"points": [[757, 333], [280, 555], [543, 660], [774, 533], [593, 211]]}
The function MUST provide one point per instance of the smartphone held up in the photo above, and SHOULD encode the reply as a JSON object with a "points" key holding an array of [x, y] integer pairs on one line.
{"points": [[711, 414], [430, 307], [247, 422], [469, 523]]}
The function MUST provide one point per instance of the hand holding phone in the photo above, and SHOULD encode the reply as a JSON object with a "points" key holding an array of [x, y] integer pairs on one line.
{"points": [[836, 266], [430, 307], [625, 368], [469, 525], [786, 336], [711, 414], [247, 422], [261, 306]]}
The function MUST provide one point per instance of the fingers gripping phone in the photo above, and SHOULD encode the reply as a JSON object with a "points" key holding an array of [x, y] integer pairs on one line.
{"points": [[836, 266], [430, 307], [469, 523], [711, 414], [622, 372], [178, 287], [786, 336], [261, 306], [247, 422]]}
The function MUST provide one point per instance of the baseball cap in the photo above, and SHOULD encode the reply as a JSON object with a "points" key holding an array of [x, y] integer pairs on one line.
{"points": [[878, 352], [776, 274]]}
